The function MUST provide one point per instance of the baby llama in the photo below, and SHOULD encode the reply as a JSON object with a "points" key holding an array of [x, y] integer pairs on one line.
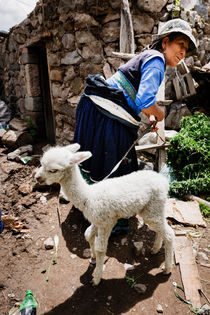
{"points": [[103, 203]]}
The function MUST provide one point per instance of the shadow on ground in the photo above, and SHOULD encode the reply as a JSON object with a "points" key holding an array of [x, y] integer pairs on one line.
{"points": [[112, 296]]}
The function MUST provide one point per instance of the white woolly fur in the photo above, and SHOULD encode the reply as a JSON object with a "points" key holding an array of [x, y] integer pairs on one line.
{"points": [[103, 203]]}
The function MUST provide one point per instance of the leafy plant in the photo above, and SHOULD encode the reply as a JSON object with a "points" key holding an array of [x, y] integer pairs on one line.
{"points": [[31, 126], [205, 210], [131, 281], [189, 157]]}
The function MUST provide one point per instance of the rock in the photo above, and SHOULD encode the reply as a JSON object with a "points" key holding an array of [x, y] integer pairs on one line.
{"points": [[16, 154], [111, 32], [18, 124], [33, 104], [57, 75], [140, 288], [138, 247], [151, 5], [68, 41], [202, 256], [2, 132], [107, 70], [43, 200], [49, 243], [32, 80], [204, 310], [170, 134], [86, 253], [84, 37], [25, 188], [177, 111], [128, 267], [143, 23], [159, 309], [84, 21], [149, 138], [124, 241], [71, 58], [16, 139]]}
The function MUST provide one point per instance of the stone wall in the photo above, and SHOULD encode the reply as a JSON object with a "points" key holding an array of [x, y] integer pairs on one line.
{"points": [[77, 38]]}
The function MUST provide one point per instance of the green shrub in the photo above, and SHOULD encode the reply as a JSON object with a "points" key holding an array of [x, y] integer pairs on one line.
{"points": [[189, 157]]}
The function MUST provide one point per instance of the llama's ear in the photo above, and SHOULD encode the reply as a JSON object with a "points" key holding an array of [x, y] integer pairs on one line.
{"points": [[73, 147], [79, 157]]}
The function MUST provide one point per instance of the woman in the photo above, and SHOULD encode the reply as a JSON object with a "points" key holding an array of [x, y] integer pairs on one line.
{"points": [[107, 117]]}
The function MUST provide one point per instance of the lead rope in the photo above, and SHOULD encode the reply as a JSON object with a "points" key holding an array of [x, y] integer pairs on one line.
{"points": [[134, 143], [192, 309]]}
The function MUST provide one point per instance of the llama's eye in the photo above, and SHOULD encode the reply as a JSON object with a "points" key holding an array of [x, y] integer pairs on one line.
{"points": [[52, 171]]}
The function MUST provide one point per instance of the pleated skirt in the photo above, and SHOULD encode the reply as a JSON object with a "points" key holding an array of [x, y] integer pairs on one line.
{"points": [[106, 138]]}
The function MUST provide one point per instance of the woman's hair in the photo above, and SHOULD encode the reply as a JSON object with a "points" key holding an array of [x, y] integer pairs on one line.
{"points": [[172, 36]]}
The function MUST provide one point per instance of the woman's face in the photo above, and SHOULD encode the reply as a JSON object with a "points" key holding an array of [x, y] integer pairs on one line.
{"points": [[174, 51]]}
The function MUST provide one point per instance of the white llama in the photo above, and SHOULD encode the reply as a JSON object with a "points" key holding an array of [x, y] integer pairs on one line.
{"points": [[103, 203]]}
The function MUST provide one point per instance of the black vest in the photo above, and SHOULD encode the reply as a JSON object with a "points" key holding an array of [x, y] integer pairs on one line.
{"points": [[132, 69]]}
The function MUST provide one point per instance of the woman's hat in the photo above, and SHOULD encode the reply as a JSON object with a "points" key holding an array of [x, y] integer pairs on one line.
{"points": [[176, 26]]}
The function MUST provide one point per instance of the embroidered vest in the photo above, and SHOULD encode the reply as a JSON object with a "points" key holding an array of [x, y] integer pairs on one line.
{"points": [[132, 69]]}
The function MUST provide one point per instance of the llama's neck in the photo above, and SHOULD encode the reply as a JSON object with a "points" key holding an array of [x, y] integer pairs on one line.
{"points": [[75, 187]]}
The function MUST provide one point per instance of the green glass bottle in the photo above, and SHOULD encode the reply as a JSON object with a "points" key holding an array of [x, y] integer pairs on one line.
{"points": [[29, 304]]}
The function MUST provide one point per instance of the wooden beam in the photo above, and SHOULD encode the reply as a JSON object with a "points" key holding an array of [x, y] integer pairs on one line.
{"points": [[127, 44], [185, 258], [151, 146], [123, 55]]}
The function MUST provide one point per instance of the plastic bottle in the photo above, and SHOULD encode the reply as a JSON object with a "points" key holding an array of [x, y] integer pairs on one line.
{"points": [[29, 304]]}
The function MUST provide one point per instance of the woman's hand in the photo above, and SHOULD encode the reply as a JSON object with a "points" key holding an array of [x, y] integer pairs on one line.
{"points": [[154, 111]]}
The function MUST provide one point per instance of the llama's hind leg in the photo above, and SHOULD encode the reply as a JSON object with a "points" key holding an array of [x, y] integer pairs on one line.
{"points": [[165, 233], [101, 241], [90, 234]]}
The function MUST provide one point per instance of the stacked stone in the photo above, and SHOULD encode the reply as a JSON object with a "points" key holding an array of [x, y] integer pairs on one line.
{"points": [[80, 37]]}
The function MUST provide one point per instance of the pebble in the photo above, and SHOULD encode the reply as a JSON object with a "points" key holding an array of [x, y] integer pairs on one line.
{"points": [[140, 288], [203, 255], [86, 253], [49, 243], [43, 200], [128, 267], [124, 241], [138, 247], [73, 256], [159, 308]]}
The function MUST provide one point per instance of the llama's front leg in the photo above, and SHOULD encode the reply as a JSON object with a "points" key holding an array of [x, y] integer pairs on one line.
{"points": [[157, 244], [90, 234], [101, 241]]}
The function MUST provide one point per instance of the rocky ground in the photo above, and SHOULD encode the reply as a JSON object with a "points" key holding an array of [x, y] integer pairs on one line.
{"points": [[131, 284]]}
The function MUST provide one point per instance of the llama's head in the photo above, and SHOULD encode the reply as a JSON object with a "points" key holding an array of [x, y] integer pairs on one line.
{"points": [[56, 160]]}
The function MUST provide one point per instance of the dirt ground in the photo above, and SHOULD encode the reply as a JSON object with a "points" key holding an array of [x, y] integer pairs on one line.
{"points": [[24, 259]]}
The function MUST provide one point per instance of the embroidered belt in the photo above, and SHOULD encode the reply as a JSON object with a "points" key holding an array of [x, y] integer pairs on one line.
{"points": [[125, 84]]}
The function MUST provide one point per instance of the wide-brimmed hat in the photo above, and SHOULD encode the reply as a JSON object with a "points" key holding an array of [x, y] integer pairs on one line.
{"points": [[176, 26]]}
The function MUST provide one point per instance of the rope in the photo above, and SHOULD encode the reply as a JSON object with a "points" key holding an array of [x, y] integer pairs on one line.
{"points": [[134, 143], [192, 309]]}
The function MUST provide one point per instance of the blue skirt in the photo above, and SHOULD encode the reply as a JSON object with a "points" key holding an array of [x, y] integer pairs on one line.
{"points": [[106, 138]]}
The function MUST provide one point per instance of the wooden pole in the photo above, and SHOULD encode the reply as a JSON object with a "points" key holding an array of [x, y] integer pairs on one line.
{"points": [[127, 44]]}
